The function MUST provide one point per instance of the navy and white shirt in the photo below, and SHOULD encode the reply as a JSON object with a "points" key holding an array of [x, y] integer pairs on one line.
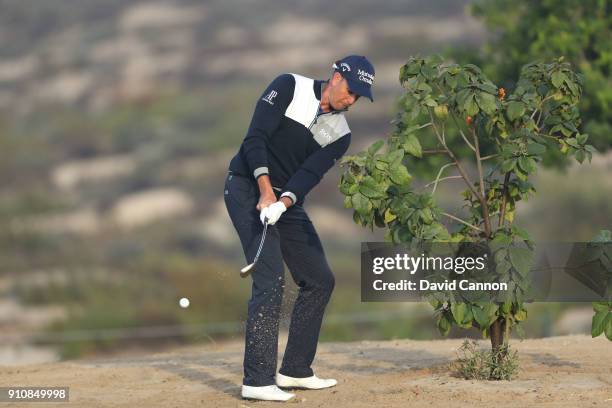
{"points": [[290, 139]]}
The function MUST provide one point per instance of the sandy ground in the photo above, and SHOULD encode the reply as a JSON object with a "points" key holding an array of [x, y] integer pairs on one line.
{"points": [[569, 371]]}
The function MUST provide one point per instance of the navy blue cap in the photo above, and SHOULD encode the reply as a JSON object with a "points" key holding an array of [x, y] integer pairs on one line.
{"points": [[358, 72]]}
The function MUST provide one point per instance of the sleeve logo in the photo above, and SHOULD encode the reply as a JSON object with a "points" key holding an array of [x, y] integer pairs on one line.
{"points": [[270, 97]]}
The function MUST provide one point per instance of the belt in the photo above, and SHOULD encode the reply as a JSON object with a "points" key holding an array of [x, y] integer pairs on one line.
{"points": [[242, 175]]}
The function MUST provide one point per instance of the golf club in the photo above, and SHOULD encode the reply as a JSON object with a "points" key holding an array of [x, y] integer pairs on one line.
{"points": [[244, 272]]}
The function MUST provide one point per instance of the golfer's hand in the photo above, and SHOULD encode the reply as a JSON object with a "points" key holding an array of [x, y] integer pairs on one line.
{"points": [[266, 200], [272, 212]]}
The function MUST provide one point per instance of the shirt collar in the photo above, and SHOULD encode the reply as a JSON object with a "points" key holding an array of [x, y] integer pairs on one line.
{"points": [[318, 90]]}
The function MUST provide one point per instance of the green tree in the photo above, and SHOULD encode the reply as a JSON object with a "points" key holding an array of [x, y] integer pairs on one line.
{"points": [[578, 30], [540, 114]]}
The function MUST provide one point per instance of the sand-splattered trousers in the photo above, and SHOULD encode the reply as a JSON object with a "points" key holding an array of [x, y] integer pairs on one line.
{"points": [[293, 239]]}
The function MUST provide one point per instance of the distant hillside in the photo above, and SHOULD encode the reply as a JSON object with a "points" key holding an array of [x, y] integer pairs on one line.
{"points": [[99, 52]]}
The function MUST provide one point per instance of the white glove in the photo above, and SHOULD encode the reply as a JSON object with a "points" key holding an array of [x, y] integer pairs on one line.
{"points": [[272, 212]]}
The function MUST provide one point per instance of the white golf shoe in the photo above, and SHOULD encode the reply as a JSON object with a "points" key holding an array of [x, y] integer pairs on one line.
{"points": [[266, 393], [309, 383]]}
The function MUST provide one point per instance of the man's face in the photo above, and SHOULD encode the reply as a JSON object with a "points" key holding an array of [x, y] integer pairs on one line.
{"points": [[340, 96]]}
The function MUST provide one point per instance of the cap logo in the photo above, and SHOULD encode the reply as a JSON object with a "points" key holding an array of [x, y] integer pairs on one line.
{"points": [[345, 67], [365, 76]]}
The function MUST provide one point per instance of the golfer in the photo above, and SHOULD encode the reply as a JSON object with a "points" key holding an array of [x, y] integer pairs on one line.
{"points": [[297, 133]]}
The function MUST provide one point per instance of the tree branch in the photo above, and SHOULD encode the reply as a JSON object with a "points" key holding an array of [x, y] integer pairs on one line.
{"points": [[483, 198], [465, 139], [502, 212], [454, 158], [540, 109], [452, 217], [442, 179], [435, 183]]}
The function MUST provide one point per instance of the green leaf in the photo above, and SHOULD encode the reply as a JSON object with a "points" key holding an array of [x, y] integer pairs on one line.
{"points": [[521, 233], [508, 165], [374, 147], [470, 106], [370, 188], [486, 101], [515, 110], [459, 311], [429, 71], [389, 216], [412, 68], [347, 202], [557, 78], [441, 111], [520, 315], [435, 303], [451, 81], [501, 238], [597, 325], [500, 255], [381, 164], [399, 174], [601, 307], [348, 189], [573, 87], [536, 148], [608, 327], [520, 174], [502, 267], [394, 156], [430, 102], [444, 325], [490, 309], [426, 215], [582, 138], [413, 146], [488, 88], [424, 87], [357, 218], [572, 142], [361, 203], [521, 259], [462, 96], [481, 317], [527, 164]]}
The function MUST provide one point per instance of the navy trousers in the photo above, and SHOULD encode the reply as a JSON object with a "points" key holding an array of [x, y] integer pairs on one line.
{"points": [[293, 239]]}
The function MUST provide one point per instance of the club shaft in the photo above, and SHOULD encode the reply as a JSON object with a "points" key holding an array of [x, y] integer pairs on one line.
{"points": [[261, 243]]}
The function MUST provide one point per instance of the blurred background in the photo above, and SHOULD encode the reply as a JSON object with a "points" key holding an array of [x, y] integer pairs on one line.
{"points": [[118, 120]]}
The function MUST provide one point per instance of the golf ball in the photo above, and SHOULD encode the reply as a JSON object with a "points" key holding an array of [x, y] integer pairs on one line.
{"points": [[184, 302]]}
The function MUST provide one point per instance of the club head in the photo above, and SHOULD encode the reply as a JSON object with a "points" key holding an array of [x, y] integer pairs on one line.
{"points": [[244, 272]]}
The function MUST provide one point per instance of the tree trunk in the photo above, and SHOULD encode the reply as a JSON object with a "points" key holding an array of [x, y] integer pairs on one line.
{"points": [[497, 334]]}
